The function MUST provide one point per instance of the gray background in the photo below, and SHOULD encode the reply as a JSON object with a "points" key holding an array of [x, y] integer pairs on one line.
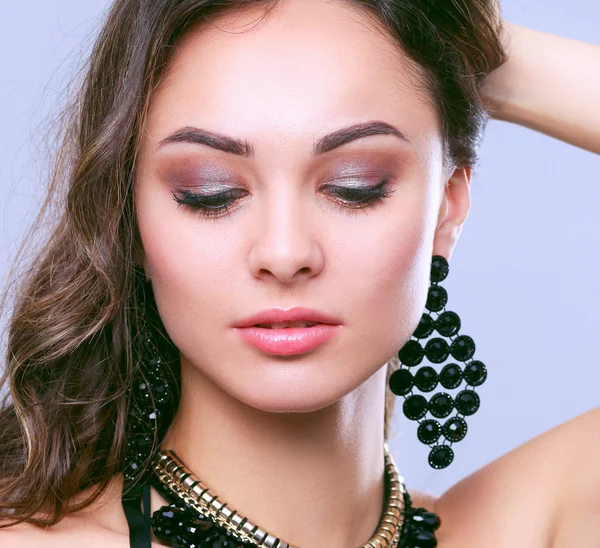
{"points": [[523, 277]]}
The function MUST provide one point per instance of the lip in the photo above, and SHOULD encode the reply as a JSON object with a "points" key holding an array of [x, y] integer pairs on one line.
{"points": [[288, 341], [292, 340], [295, 314]]}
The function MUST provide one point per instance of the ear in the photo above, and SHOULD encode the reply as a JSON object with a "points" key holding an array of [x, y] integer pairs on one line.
{"points": [[454, 208]]}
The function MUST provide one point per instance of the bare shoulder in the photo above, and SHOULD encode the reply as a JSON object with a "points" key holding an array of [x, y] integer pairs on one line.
{"points": [[21, 535], [95, 526], [543, 494], [101, 524], [66, 533], [26, 535]]}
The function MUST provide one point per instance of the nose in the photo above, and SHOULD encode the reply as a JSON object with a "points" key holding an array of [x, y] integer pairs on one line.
{"points": [[286, 244]]}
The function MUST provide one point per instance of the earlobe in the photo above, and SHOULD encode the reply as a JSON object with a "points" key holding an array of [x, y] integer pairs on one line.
{"points": [[454, 208]]}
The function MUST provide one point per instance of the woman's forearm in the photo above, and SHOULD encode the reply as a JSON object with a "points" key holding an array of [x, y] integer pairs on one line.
{"points": [[550, 84]]}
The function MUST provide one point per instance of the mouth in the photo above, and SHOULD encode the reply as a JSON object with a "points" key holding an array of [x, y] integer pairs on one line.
{"points": [[297, 317], [288, 338], [288, 332], [285, 325]]}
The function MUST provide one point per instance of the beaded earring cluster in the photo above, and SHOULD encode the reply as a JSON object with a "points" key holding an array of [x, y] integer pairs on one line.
{"points": [[150, 395], [426, 378], [153, 394]]}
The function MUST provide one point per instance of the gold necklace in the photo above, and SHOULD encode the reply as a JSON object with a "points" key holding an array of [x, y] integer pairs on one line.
{"points": [[185, 485]]}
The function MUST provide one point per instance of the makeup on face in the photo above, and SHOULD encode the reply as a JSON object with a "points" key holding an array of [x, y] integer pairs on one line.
{"points": [[287, 332], [353, 179], [301, 191]]}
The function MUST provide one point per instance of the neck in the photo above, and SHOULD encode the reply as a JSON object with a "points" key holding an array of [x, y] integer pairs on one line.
{"points": [[312, 478]]}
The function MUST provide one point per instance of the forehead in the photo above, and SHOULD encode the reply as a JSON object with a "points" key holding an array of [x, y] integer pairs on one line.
{"points": [[305, 67]]}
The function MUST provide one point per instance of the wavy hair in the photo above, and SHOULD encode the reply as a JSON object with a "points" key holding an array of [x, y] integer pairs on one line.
{"points": [[71, 345]]}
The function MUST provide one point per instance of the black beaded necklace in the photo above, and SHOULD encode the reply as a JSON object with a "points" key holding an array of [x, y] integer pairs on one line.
{"points": [[185, 527]]}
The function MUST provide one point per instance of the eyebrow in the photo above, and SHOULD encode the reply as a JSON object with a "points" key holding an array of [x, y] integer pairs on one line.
{"points": [[194, 135]]}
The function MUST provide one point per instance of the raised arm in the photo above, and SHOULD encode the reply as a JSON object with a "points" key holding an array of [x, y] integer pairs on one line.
{"points": [[550, 84]]}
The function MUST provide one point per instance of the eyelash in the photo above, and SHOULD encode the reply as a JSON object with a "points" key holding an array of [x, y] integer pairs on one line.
{"points": [[204, 204]]}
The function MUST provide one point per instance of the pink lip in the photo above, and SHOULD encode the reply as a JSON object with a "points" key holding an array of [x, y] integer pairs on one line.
{"points": [[288, 341], [296, 314]]}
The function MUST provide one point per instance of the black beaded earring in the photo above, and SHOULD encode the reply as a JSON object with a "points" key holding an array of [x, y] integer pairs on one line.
{"points": [[150, 392], [154, 392], [437, 350]]}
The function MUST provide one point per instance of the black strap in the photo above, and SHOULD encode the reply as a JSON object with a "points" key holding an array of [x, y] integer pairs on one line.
{"points": [[139, 523]]}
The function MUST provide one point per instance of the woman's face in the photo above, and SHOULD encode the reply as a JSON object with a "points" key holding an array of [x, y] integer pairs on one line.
{"points": [[294, 234]]}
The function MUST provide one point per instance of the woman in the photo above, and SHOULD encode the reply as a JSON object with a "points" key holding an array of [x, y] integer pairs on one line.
{"points": [[322, 170]]}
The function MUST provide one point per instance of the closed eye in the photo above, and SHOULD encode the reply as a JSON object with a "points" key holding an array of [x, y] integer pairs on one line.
{"points": [[213, 205]]}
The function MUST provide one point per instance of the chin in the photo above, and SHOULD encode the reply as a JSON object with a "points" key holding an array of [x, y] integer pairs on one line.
{"points": [[299, 404], [298, 390]]}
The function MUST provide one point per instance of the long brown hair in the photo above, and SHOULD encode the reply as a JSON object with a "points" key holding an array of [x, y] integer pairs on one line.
{"points": [[70, 346]]}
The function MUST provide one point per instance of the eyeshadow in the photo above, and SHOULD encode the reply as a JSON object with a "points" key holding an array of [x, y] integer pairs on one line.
{"points": [[191, 173]]}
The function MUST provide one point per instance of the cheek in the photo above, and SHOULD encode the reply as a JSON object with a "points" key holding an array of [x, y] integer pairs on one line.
{"points": [[190, 267], [402, 285], [386, 270]]}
